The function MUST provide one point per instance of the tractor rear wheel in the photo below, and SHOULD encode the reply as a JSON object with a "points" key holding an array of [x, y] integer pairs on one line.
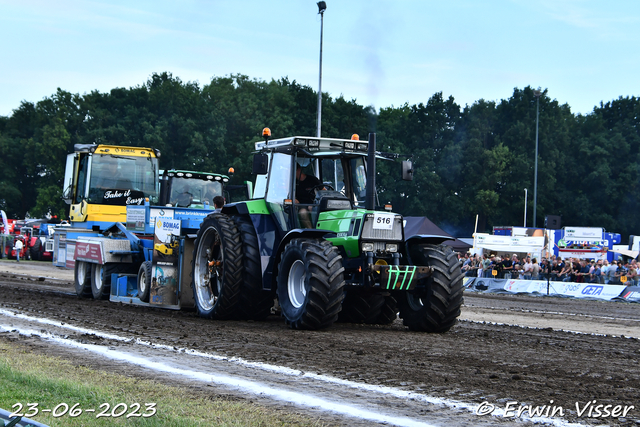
{"points": [[310, 283], [144, 281], [82, 279], [35, 250], [359, 307], [434, 306], [255, 303], [217, 268]]}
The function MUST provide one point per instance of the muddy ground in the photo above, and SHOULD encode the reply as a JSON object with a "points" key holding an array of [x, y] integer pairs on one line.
{"points": [[540, 349]]}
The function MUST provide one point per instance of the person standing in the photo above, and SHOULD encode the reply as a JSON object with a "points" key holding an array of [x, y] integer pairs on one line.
{"points": [[555, 270], [527, 269], [18, 248], [486, 266], [611, 273], [535, 269], [507, 266]]}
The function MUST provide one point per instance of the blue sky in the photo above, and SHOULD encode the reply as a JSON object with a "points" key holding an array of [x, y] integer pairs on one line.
{"points": [[380, 53]]}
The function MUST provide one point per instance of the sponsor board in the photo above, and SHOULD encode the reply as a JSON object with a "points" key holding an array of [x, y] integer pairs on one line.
{"points": [[136, 218], [89, 252], [571, 289], [526, 286], [586, 290], [631, 293], [191, 213], [154, 213], [68, 254], [583, 233], [164, 276]]}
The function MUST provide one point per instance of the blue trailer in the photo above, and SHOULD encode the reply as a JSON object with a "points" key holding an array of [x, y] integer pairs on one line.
{"points": [[146, 258]]}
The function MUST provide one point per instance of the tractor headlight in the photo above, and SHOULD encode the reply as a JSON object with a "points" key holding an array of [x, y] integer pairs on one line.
{"points": [[392, 247], [367, 247]]}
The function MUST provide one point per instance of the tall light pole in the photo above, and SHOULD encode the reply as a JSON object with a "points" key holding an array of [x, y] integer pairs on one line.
{"points": [[322, 6], [537, 94], [525, 208]]}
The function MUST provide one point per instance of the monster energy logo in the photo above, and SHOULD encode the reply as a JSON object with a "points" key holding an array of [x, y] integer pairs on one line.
{"points": [[396, 271]]}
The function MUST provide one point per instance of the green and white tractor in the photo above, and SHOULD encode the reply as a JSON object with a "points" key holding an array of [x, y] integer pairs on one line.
{"points": [[351, 262]]}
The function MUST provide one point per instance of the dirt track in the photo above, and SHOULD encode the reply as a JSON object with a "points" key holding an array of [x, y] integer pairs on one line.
{"points": [[476, 361]]}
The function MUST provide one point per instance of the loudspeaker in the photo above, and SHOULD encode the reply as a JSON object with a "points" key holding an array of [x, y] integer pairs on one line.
{"points": [[552, 222]]}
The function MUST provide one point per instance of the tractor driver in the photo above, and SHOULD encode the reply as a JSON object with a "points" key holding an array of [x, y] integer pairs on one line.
{"points": [[305, 184]]}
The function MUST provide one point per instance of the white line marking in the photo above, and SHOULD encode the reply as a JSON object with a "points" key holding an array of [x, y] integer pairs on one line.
{"points": [[391, 391]]}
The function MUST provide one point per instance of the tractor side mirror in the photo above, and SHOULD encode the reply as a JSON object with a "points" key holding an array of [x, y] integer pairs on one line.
{"points": [[260, 164], [407, 170]]}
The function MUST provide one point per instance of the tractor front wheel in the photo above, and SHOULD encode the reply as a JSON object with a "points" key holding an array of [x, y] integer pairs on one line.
{"points": [[310, 283], [434, 306]]}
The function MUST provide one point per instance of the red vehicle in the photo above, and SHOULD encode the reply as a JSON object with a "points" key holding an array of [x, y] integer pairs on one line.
{"points": [[38, 242], [25, 252], [35, 234]]}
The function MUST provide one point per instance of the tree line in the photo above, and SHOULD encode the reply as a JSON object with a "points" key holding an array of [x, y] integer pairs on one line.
{"points": [[468, 161]]}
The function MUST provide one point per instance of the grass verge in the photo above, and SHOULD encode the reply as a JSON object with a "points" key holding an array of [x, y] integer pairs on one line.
{"points": [[50, 381]]}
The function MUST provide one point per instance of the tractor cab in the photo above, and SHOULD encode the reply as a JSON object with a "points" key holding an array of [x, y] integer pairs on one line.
{"points": [[102, 180], [302, 178], [189, 189]]}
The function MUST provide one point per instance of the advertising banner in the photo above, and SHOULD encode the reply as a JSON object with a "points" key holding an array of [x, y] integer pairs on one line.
{"points": [[583, 233], [89, 252], [570, 289], [135, 218], [67, 253], [631, 293], [165, 269]]}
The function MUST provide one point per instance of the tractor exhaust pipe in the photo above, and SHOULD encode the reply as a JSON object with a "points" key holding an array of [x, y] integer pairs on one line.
{"points": [[370, 200]]}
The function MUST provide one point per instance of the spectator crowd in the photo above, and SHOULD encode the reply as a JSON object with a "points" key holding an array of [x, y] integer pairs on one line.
{"points": [[554, 268]]}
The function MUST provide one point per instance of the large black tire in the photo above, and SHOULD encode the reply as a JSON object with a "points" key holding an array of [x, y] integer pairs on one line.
{"points": [[255, 303], [217, 268], [371, 308], [144, 281], [36, 250], [101, 277], [434, 306], [388, 311], [310, 283], [82, 279], [100, 282]]}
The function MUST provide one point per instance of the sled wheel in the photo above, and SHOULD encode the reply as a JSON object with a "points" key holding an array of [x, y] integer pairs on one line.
{"points": [[82, 279], [144, 281], [100, 282]]}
